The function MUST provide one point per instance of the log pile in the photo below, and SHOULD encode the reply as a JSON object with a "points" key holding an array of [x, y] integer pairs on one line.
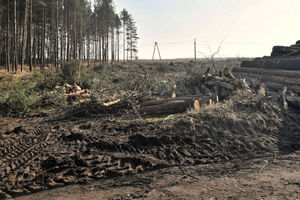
{"points": [[273, 79], [175, 105], [286, 84], [74, 94], [214, 88], [282, 82], [274, 63], [282, 58], [282, 51]]}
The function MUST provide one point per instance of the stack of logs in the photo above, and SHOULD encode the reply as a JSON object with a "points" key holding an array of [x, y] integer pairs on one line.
{"points": [[283, 84], [74, 94], [274, 80], [214, 88]]}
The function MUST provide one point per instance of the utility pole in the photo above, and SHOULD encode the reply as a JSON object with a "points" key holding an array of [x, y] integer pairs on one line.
{"points": [[156, 46], [195, 49]]}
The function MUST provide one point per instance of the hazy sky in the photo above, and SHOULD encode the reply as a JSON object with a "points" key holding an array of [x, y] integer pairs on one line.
{"points": [[249, 28]]}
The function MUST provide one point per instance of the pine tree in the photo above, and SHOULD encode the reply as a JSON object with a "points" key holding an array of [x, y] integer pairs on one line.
{"points": [[42, 32]]}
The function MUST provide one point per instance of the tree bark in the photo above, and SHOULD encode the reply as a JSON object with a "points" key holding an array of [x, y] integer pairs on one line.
{"points": [[8, 38], [188, 99], [293, 101], [291, 74], [15, 55], [270, 78], [274, 63], [75, 32], [56, 37], [24, 35], [30, 35], [176, 106], [43, 36], [278, 86], [173, 105]]}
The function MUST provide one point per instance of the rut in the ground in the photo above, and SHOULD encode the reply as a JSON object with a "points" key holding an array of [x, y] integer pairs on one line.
{"points": [[40, 156]]}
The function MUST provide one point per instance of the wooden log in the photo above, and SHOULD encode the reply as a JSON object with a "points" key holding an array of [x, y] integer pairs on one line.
{"points": [[221, 84], [293, 101], [283, 96], [264, 78], [274, 63], [227, 72], [173, 106], [279, 51], [218, 78], [290, 74], [186, 98], [278, 86]]}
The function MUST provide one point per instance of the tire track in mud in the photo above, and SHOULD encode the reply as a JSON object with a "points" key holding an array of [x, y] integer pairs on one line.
{"points": [[19, 163], [82, 151]]}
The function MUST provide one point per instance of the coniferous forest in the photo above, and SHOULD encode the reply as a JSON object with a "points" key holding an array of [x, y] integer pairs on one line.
{"points": [[39, 33]]}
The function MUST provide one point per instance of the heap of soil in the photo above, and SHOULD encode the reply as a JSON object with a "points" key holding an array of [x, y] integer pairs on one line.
{"points": [[45, 154]]}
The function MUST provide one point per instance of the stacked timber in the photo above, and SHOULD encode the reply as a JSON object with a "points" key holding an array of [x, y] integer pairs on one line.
{"points": [[273, 79], [282, 58], [74, 94], [214, 87], [292, 64], [282, 51], [175, 105], [287, 82]]}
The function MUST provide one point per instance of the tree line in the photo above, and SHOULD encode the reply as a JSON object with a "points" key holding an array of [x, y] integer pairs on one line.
{"points": [[50, 32]]}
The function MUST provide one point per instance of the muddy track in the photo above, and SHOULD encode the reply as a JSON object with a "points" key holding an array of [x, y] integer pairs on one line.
{"points": [[42, 156], [19, 158]]}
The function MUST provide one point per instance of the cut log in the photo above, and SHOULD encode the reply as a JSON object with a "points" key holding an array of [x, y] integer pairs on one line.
{"points": [[290, 74], [221, 84], [196, 105], [276, 79], [293, 101], [110, 103], [201, 99], [227, 72], [274, 63], [173, 105], [218, 78], [262, 90], [283, 96], [279, 51], [278, 86]]}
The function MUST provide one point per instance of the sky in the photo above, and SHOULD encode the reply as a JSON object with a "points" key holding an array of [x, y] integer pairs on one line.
{"points": [[243, 28]]}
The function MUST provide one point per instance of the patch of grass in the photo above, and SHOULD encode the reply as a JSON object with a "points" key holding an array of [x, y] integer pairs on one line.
{"points": [[18, 99], [13, 99]]}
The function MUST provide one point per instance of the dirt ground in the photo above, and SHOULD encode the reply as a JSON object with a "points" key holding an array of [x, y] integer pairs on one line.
{"points": [[243, 148], [279, 178]]}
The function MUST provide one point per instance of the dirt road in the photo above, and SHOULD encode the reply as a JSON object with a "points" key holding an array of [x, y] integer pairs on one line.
{"points": [[262, 178]]}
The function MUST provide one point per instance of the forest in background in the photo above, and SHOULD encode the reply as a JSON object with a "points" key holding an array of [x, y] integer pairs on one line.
{"points": [[51, 32]]}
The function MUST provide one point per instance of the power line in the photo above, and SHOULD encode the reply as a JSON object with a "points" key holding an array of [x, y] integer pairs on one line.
{"points": [[207, 41]]}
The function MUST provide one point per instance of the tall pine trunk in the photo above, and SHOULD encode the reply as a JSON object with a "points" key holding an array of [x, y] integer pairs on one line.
{"points": [[56, 38], [15, 55], [43, 36], [124, 40], [30, 35], [24, 35], [8, 38], [112, 44]]}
